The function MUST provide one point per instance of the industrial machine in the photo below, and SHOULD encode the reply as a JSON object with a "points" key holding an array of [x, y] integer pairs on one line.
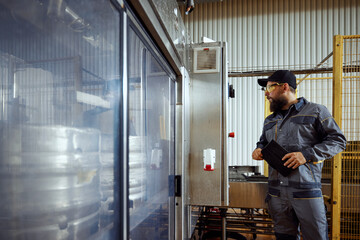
{"points": [[209, 95], [114, 125], [87, 122]]}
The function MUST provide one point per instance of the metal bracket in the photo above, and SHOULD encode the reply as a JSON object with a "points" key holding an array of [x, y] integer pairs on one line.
{"points": [[177, 185]]}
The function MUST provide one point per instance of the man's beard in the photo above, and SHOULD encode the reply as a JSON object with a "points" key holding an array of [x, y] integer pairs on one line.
{"points": [[277, 104]]}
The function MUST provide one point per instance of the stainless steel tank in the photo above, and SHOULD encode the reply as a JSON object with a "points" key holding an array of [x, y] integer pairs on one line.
{"points": [[49, 187], [137, 170], [107, 180]]}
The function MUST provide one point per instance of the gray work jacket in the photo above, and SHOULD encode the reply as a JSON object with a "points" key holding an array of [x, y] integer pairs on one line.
{"points": [[310, 129]]}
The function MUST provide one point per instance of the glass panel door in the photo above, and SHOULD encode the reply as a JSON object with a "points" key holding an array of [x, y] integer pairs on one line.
{"points": [[59, 75], [151, 143]]}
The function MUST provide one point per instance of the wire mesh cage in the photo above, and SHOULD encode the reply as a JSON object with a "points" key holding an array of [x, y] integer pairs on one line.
{"points": [[320, 89], [350, 208]]}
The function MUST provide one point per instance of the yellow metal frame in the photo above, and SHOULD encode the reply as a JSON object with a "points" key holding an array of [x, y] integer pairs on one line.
{"points": [[267, 113], [337, 113], [345, 215]]}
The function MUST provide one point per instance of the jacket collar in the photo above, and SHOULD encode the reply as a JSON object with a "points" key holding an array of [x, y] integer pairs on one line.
{"points": [[300, 104]]}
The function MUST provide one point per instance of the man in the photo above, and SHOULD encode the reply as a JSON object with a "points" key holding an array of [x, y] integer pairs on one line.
{"points": [[310, 135]]}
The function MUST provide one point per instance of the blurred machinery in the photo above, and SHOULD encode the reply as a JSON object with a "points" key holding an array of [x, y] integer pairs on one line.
{"points": [[113, 125], [50, 182]]}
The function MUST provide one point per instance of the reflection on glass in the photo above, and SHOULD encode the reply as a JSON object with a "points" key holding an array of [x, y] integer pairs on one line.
{"points": [[59, 77], [151, 144]]}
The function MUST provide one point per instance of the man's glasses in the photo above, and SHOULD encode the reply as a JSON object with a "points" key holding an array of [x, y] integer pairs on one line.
{"points": [[271, 87]]}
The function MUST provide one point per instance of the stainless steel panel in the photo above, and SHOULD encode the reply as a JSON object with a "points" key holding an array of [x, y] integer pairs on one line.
{"points": [[122, 168], [207, 131], [225, 127], [182, 154], [179, 160], [247, 194]]}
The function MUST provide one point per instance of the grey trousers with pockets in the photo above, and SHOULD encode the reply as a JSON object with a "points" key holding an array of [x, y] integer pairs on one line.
{"points": [[295, 209]]}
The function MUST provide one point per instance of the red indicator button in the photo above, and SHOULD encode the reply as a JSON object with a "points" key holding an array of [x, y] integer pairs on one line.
{"points": [[208, 168]]}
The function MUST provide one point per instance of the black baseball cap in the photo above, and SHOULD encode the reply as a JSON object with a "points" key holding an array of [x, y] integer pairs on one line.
{"points": [[280, 76]]}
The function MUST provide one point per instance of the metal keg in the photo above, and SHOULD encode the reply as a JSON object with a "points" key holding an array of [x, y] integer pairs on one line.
{"points": [[137, 170], [136, 143], [107, 180], [50, 184]]}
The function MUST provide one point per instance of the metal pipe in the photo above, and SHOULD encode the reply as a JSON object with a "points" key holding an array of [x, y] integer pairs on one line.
{"points": [[317, 66], [223, 223]]}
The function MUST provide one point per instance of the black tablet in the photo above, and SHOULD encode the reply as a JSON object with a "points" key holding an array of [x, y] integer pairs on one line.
{"points": [[273, 153]]}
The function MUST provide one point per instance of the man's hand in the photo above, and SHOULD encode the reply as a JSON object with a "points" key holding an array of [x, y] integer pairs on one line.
{"points": [[294, 160], [257, 155]]}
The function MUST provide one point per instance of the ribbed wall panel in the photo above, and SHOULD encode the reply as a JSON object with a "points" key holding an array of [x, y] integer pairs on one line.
{"points": [[265, 34]]}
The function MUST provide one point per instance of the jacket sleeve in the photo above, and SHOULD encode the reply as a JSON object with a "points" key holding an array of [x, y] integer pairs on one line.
{"points": [[332, 140], [262, 141]]}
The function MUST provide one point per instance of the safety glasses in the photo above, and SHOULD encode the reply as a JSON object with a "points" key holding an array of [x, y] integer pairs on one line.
{"points": [[271, 87]]}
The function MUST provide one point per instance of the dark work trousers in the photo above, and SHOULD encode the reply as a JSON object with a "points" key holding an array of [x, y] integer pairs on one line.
{"points": [[292, 209]]}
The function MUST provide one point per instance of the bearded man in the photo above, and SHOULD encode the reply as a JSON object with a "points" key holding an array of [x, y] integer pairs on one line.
{"points": [[310, 135]]}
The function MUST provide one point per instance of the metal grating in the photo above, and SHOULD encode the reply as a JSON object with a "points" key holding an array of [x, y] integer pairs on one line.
{"points": [[350, 207], [319, 89]]}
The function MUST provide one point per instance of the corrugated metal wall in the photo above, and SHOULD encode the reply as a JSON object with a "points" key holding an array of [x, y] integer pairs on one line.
{"points": [[266, 34]]}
